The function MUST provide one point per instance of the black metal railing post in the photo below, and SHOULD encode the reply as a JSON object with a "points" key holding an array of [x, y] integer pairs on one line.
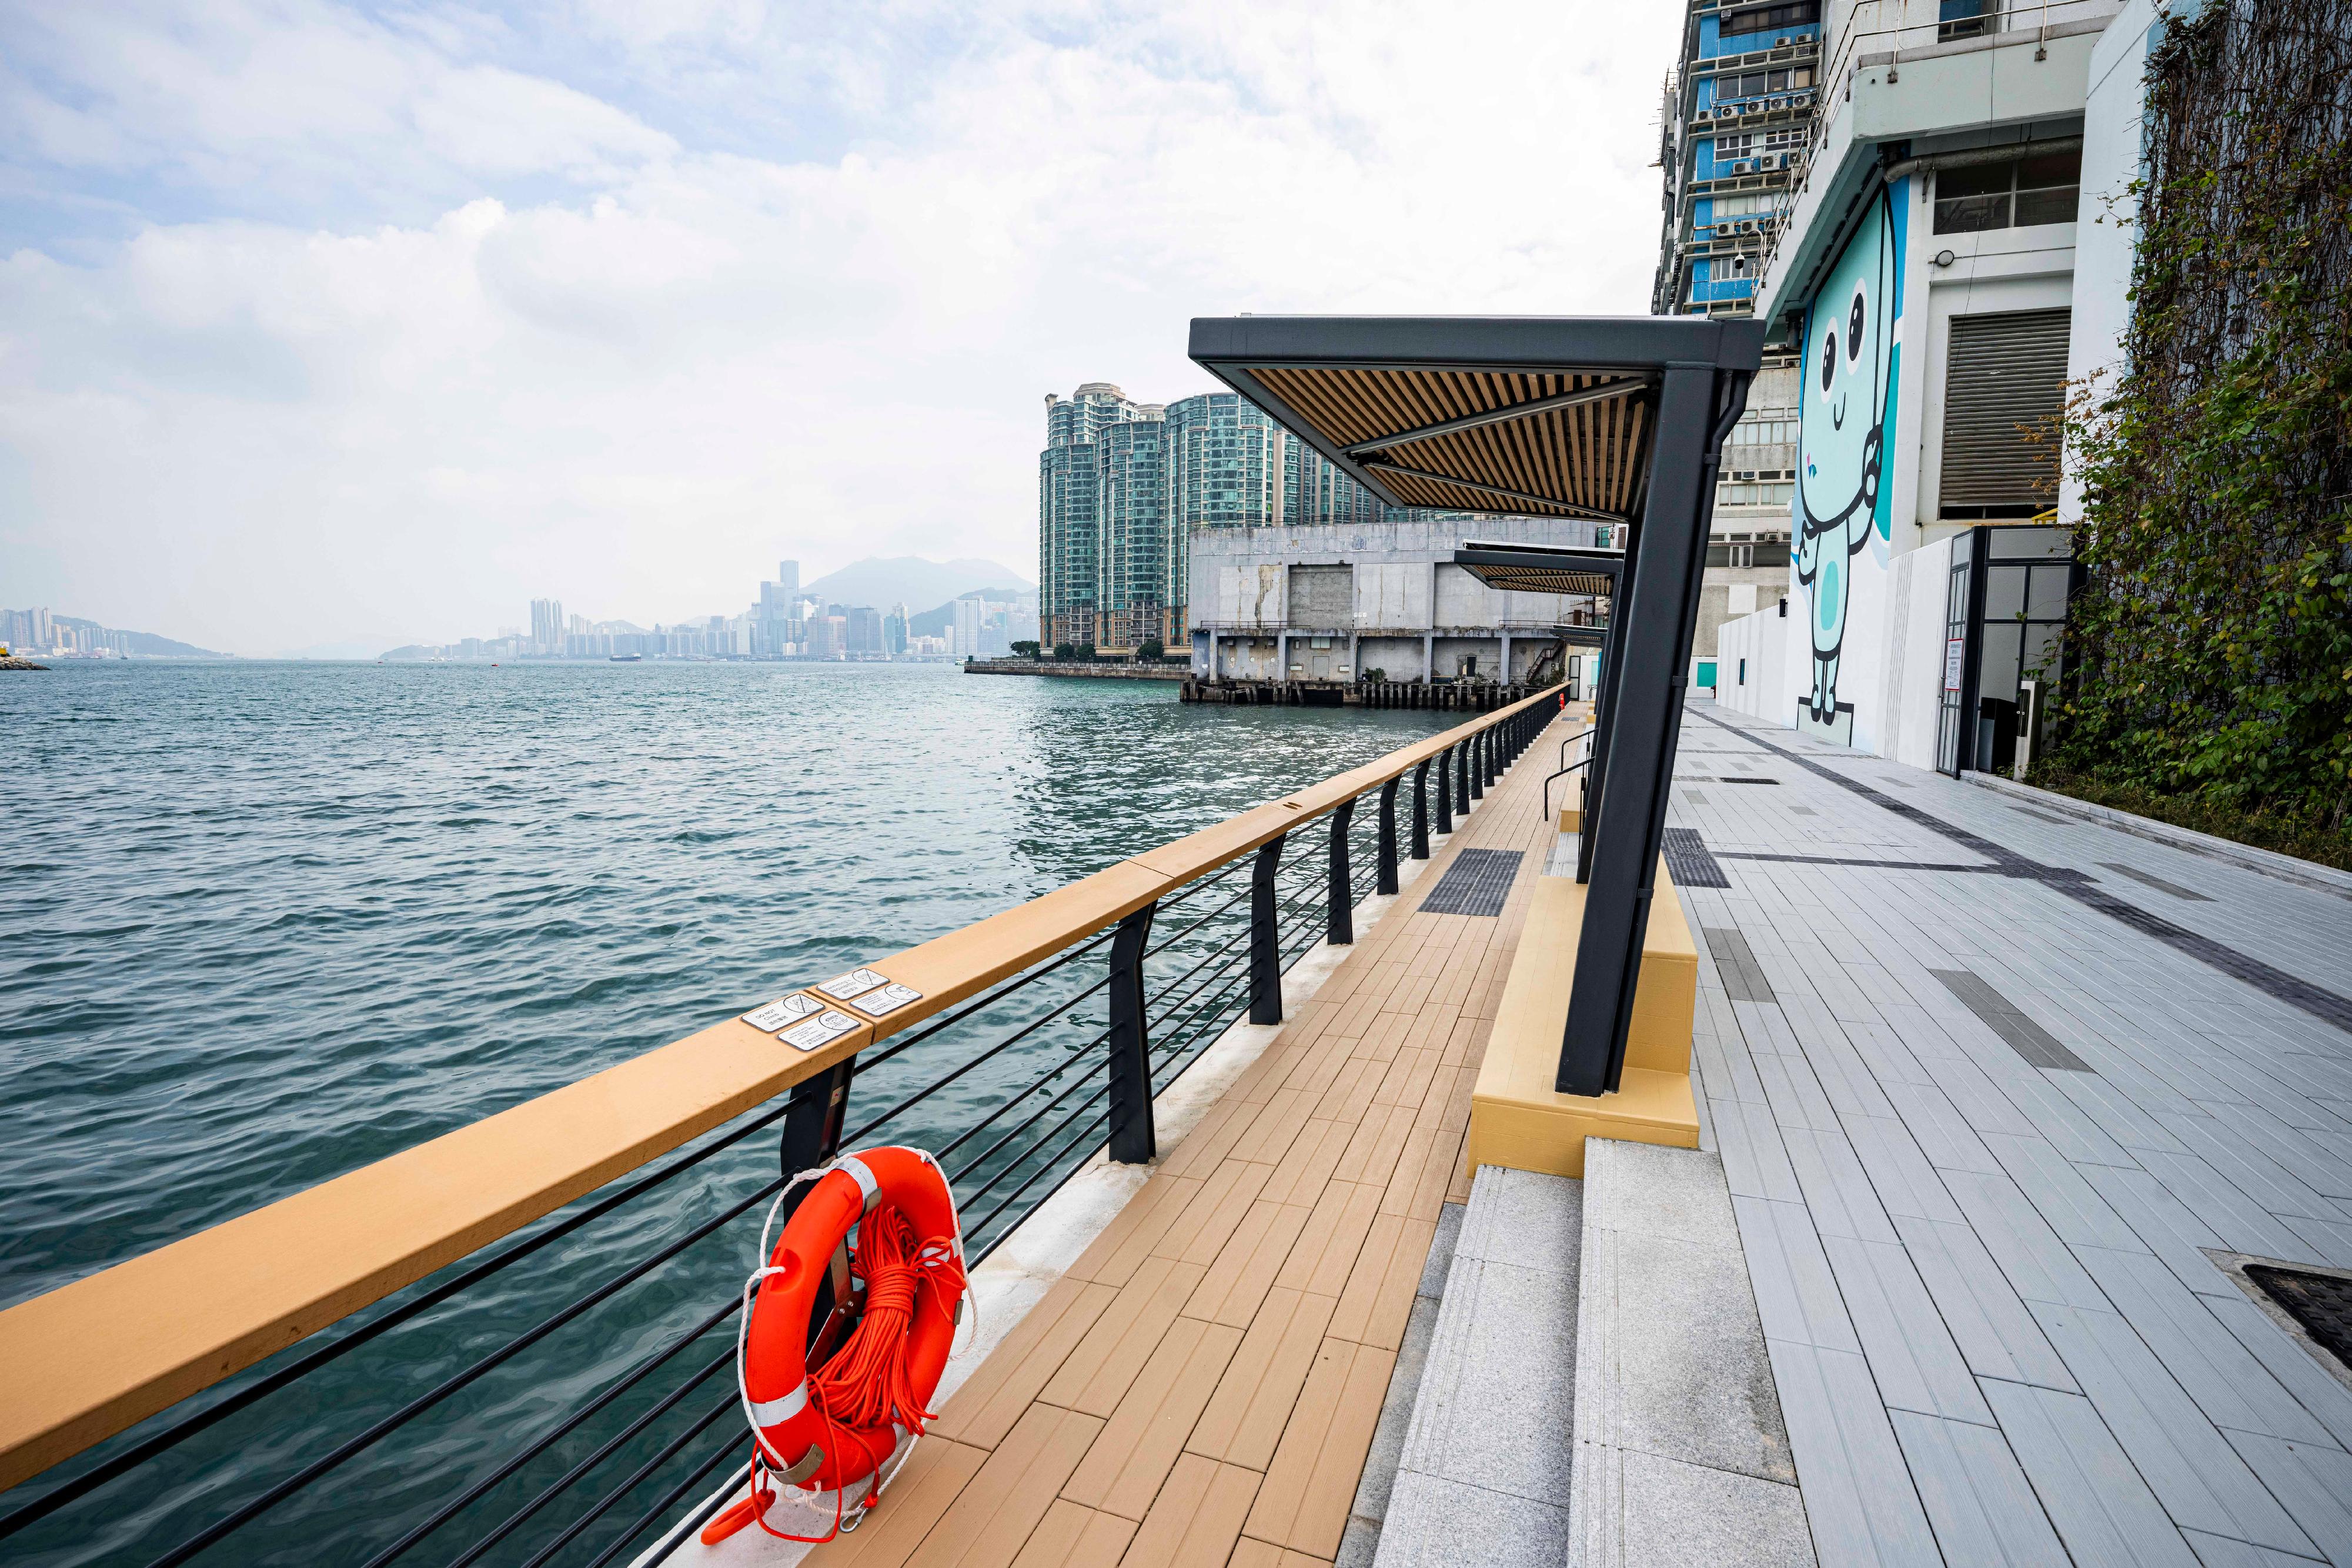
{"points": [[1386, 880], [1493, 751], [1445, 791], [1133, 1138], [1265, 938], [1420, 809], [1340, 923], [1475, 765], [1462, 776], [814, 1115]]}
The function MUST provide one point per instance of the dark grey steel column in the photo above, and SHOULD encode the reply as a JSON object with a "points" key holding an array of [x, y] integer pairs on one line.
{"points": [[1421, 810], [1654, 623], [1473, 770], [1386, 867], [812, 1122], [1605, 707], [1445, 791], [1265, 938], [1133, 1139], [1339, 916]]}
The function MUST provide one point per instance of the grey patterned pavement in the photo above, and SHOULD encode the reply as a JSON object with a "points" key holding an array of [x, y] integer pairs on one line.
{"points": [[1999, 1095]]}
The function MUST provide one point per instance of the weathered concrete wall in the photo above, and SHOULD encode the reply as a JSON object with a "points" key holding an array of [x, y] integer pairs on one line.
{"points": [[1384, 596]]}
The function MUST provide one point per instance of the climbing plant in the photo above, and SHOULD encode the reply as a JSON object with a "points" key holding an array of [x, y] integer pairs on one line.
{"points": [[2211, 648]]}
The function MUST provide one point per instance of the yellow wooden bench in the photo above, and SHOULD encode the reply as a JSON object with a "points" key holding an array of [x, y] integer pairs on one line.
{"points": [[1517, 1118]]}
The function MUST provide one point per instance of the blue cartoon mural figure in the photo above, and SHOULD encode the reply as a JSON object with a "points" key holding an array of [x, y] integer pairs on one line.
{"points": [[1845, 421]]}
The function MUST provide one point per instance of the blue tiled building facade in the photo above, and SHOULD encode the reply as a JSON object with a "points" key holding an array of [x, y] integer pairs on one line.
{"points": [[1739, 114]]}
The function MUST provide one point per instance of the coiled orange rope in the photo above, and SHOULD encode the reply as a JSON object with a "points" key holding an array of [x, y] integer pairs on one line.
{"points": [[864, 1383]]}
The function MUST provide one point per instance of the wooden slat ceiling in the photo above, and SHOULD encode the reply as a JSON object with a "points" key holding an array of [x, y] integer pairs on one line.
{"points": [[1583, 459], [1548, 580]]}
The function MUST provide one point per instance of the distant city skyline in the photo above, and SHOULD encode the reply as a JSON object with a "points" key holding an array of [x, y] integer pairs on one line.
{"points": [[784, 621]]}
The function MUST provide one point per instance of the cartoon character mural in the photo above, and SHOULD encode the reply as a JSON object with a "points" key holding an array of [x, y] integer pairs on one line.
{"points": [[1853, 351]]}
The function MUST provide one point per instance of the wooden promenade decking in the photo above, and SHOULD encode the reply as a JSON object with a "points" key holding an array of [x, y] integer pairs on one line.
{"points": [[1202, 1386]]}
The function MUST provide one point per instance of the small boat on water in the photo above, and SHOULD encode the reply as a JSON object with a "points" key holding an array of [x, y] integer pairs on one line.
{"points": [[625, 658]]}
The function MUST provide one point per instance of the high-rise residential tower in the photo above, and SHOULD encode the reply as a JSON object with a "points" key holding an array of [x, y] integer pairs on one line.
{"points": [[1738, 115], [547, 626], [1068, 509]]}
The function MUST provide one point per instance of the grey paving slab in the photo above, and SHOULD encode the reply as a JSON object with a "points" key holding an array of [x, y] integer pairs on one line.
{"points": [[1858, 1490], [1797, 1295], [2031, 1255], [2116, 1113], [1500, 1386], [2104, 1513], [2063, 1118], [2058, 1193], [2182, 1456], [2242, 1224], [1943, 1133], [1978, 1502], [1912, 1354], [1795, 1094], [1429, 1518], [1982, 1310], [2297, 1368], [1754, 1159], [2214, 1552], [2312, 1156], [1677, 1514], [1836, 1188], [2331, 1241], [1898, 1169], [2012, 1175], [2314, 1482], [2251, 1170]]}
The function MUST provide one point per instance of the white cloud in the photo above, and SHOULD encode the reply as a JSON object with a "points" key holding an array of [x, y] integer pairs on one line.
{"points": [[632, 368]]}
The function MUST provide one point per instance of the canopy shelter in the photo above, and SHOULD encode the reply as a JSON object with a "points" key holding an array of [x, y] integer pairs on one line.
{"points": [[1619, 420]]}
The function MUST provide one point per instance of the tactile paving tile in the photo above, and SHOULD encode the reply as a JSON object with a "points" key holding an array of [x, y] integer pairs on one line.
{"points": [[1478, 882], [1689, 863]]}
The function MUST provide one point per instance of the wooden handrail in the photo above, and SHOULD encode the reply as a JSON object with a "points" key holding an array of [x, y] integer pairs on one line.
{"points": [[96, 1356]]}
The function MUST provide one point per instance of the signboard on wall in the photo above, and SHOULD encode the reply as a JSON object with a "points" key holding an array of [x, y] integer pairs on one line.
{"points": [[1955, 658]]}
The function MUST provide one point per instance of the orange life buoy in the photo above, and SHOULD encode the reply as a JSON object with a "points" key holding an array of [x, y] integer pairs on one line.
{"points": [[828, 1428]]}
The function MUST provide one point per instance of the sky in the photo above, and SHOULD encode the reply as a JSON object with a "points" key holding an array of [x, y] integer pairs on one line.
{"points": [[334, 324]]}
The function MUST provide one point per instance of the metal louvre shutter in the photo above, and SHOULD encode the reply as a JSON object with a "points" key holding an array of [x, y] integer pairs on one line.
{"points": [[2001, 371]]}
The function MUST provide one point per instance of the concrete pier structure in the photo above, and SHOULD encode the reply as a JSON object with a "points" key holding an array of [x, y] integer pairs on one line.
{"points": [[1340, 604]]}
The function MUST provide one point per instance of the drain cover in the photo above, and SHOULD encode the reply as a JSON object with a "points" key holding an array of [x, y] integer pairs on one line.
{"points": [[2322, 1303]]}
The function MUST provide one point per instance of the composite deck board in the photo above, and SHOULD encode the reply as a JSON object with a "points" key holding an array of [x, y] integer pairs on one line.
{"points": [[1201, 1388], [1984, 1272]]}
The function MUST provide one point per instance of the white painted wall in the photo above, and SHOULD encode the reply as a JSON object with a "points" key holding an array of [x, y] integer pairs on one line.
{"points": [[1915, 652], [1762, 642]]}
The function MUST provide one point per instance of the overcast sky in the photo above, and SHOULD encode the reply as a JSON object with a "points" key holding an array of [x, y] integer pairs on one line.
{"points": [[326, 323]]}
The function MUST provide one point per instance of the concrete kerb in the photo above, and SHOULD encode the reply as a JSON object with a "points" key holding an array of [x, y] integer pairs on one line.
{"points": [[2286, 868], [1041, 1249]]}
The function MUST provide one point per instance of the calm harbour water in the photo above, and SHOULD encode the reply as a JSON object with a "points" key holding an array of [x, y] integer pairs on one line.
{"points": [[269, 922], [266, 923]]}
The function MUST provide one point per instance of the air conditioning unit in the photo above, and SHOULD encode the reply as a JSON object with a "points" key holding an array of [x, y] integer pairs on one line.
{"points": [[1743, 165], [1749, 227], [1783, 41]]}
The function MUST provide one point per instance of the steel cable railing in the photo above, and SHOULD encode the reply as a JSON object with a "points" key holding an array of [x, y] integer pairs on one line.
{"points": [[518, 1445]]}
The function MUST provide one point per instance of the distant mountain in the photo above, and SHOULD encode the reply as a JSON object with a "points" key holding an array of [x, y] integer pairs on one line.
{"points": [[910, 580], [935, 623], [140, 645]]}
